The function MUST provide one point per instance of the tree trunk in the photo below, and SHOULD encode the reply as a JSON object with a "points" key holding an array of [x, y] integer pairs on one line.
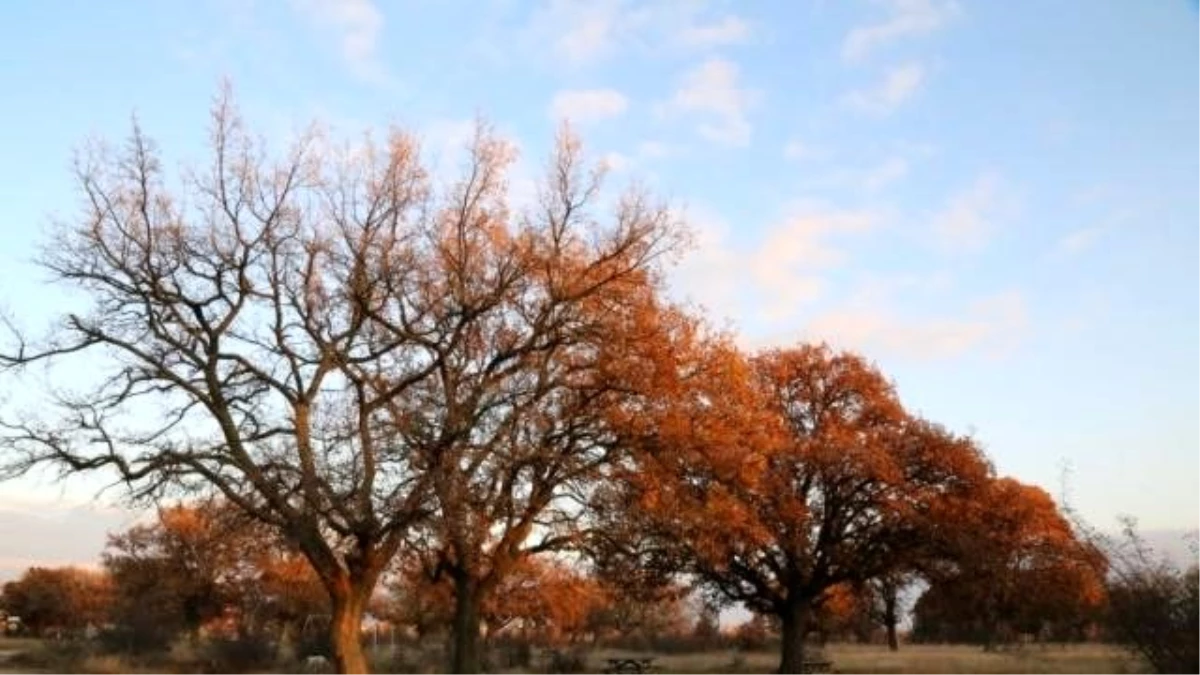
{"points": [[345, 634], [795, 629], [889, 620], [465, 653]]}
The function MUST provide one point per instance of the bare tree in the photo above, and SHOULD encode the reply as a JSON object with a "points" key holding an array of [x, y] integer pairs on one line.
{"points": [[319, 338]]}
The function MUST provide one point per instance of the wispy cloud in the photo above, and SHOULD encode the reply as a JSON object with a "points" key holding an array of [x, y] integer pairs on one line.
{"points": [[713, 91], [584, 33], [356, 24], [885, 173], [994, 324], [653, 149], [584, 106], [898, 85], [588, 29], [800, 151], [1078, 240], [967, 221], [906, 18], [777, 276], [793, 256], [726, 31]]}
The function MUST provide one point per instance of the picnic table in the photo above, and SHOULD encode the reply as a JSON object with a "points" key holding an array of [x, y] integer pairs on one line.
{"points": [[643, 665]]}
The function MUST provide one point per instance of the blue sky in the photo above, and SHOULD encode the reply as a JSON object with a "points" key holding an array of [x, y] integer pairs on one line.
{"points": [[995, 201]]}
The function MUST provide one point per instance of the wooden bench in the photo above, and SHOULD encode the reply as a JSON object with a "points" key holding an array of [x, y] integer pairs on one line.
{"points": [[630, 665]]}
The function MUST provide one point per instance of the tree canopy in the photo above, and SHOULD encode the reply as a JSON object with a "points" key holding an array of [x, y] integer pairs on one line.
{"points": [[336, 343]]}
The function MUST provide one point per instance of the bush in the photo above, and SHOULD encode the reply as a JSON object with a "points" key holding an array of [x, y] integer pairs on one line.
{"points": [[571, 661], [1155, 610], [137, 639], [1153, 605], [314, 643], [513, 653], [238, 654], [754, 635]]}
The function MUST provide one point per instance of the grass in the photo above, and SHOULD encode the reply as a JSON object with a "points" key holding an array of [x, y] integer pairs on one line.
{"points": [[1088, 658]]}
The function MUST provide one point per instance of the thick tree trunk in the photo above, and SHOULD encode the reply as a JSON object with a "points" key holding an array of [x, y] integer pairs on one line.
{"points": [[465, 648], [795, 629], [345, 634]]}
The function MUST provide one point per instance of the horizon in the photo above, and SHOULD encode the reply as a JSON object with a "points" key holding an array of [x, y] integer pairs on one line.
{"points": [[999, 208]]}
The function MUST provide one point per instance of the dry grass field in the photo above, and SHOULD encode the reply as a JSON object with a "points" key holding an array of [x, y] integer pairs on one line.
{"points": [[1091, 658]]}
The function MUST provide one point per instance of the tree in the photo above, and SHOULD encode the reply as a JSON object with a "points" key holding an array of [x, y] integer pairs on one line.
{"points": [[883, 598], [204, 561], [539, 598], [844, 612], [167, 576], [1015, 565], [328, 342], [519, 435], [778, 478], [62, 599]]}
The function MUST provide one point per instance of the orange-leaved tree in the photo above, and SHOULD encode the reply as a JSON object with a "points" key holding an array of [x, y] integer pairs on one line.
{"points": [[775, 478], [62, 600], [539, 600], [1014, 566], [202, 561], [511, 428]]}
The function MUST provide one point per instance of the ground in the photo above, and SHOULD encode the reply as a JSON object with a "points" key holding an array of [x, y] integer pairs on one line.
{"points": [[1090, 658], [921, 659]]}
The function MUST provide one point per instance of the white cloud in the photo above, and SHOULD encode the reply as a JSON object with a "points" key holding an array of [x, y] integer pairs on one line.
{"points": [[966, 222], [357, 25], [583, 106], [583, 33], [713, 91], [887, 172], [799, 151], [1078, 240], [787, 267], [898, 85], [995, 324], [779, 287], [589, 30], [653, 149], [445, 140], [727, 31], [615, 161], [775, 277], [908, 18]]}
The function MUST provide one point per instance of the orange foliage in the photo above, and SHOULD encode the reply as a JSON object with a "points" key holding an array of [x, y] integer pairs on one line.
{"points": [[776, 478], [207, 561], [537, 597], [58, 600], [1016, 566]]}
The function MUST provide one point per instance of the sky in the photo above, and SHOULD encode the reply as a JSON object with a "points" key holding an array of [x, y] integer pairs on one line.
{"points": [[995, 202]]}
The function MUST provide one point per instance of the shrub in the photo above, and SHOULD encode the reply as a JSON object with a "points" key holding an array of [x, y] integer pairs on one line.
{"points": [[570, 661], [144, 638], [1153, 605], [513, 653], [238, 654]]}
